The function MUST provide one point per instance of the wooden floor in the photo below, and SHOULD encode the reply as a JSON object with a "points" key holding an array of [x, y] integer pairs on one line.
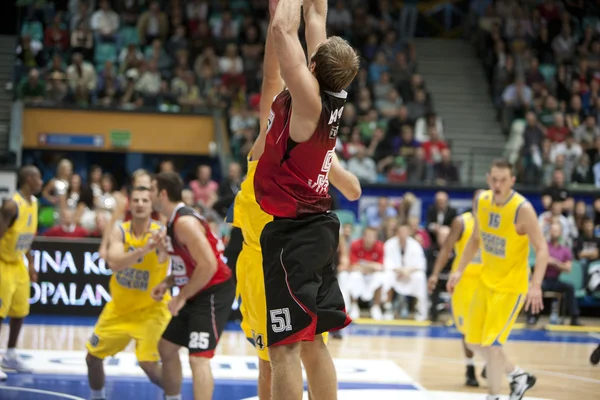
{"points": [[562, 368]]}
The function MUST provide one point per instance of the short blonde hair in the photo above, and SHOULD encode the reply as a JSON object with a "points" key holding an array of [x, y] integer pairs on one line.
{"points": [[336, 64]]}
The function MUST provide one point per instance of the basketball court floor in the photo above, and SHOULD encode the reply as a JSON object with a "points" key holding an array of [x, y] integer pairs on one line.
{"points": [[397, 360]]}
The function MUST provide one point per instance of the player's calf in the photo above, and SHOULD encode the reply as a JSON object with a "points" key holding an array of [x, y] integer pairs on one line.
{"points": [[286, 373], [202, 378], [95, 377], [171, 376], [264, 379], [320, 370], [152, 371]]}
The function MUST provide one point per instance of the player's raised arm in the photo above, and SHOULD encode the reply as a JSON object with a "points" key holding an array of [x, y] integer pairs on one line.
{"points": [[272, 84], [294, 71], [345, 181], [315, 23], [118, 258], [456, 230], [190, 233], [8, 213], [527, 218]]}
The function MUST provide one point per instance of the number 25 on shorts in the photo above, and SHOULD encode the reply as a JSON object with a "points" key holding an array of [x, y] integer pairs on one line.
{"points": [[199, 340], [280, 320]]}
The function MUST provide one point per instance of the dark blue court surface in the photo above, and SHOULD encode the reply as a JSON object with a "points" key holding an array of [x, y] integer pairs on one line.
{"points": [[42, 386]]}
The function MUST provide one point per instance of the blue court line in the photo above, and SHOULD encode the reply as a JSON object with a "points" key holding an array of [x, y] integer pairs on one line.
{"points": [[433, 332]]}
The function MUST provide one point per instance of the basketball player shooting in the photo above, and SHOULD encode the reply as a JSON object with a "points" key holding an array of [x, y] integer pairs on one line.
{"points": [[299, 246], [251, 219]]}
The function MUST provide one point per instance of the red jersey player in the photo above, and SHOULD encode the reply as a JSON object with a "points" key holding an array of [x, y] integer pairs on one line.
{"points": [[291, 183], [207, 290]]}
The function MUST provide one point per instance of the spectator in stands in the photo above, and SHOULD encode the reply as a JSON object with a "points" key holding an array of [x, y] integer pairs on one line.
{"points": [[59, 185], [56, 38], [586, 133], [80, 12], [375, 214], [434, 146], [33, 88], [405, 266], [362, 166], [105, 23], [204, 188], [417, 169], [417, 232], [554, 214], [560, 261], [66, 228], [423, 124], [152, 24], [439, 214], [570, 150], [445, 171], [82, 79], [339, 19], [587, 245], [516, 98], [557, 191], [365, 276], [29, 52]]}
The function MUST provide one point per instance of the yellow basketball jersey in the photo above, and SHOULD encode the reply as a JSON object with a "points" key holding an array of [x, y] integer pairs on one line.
{"points": [[474, 268], [504, 252], [19, 236], [248, 216], [130, 288]]}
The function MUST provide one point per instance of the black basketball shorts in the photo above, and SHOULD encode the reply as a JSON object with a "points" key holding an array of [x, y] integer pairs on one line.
{"points": [[302, 292], [199, 324]]}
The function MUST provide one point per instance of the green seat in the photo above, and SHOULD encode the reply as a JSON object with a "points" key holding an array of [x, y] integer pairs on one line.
{"points": [[575, 278], [587, 21], [129, 35], [548, 71], [34, 29], [345, 217], [105, 52]]}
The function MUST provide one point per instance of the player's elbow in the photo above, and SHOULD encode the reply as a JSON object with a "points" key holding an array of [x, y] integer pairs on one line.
{"points": [[354, 193], [281, 29]]}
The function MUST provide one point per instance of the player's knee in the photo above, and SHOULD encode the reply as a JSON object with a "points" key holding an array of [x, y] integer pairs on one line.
{"points": [[167, 350], [311, 351], [199, 364], [284, 354]]}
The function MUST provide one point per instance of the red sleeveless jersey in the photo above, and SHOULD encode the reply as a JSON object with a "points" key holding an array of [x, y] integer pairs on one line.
{"points": [[292, 178], [182, 263]]}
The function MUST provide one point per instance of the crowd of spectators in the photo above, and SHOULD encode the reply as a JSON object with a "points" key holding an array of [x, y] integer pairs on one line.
{"points": [[72, 206], [192, 55], [542, 60]]}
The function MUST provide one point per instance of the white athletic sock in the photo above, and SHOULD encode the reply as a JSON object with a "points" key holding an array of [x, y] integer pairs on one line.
{"points": [[492, 397], [174, 397], [517, 371], [469, 362], [98, 394], [11, 353]]}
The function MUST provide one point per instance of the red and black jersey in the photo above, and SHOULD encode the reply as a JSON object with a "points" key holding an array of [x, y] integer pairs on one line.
{"points": [[291, 178], [182, 263]]}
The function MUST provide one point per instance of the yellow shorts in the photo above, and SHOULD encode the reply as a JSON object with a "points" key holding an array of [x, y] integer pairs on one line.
{"points": [[113, 332], [14, 290], [461, 300], [492, 315], [253, 307]]}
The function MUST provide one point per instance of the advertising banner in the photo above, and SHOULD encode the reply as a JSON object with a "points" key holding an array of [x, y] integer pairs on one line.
{"points": [[72, 278], [102, 130]]}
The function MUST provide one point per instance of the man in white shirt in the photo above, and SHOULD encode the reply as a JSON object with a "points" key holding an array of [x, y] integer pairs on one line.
{"points": [[570, 150], [405, 266], [105, 23]]}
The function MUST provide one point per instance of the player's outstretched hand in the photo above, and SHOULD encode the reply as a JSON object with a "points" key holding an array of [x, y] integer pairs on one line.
{"points": [[176, 304], [534, 300], [159, 291], [453, 281]]}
